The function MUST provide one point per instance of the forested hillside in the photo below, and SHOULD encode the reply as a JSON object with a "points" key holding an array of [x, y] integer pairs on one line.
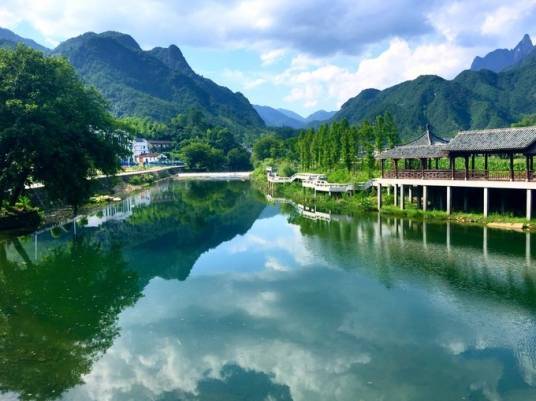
{"points": [[474, 99], [158, 83]]}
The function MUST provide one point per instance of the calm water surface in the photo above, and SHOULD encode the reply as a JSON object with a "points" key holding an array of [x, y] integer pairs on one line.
{"points": [[201, 291]]}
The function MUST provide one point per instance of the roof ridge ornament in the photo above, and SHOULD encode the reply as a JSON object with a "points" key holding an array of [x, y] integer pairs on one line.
{"points": [[429, 134]]}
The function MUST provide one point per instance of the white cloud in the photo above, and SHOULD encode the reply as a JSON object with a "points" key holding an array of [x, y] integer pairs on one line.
{"points": [[272, 56], [313, 81], [437, 37]]}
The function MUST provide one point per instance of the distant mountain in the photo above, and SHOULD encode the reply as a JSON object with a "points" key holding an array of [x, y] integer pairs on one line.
{"points": [[501, 59], [276, 118], [474, 99], [9, 39], [158, 83], [320, 115], [291, 114], [287, 118]]}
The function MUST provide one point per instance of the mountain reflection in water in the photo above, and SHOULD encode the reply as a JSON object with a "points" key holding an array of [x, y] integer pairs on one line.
{"points": [[199, 291]]}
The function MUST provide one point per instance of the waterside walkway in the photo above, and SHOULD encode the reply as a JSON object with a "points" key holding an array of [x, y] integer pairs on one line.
{"points": [[318, 182]]}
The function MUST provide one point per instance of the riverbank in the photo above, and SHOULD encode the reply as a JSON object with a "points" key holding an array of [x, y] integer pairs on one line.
{"points": [[108, 189], [366, 202]]}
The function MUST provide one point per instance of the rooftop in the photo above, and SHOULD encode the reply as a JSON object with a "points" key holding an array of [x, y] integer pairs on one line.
{"points": [[426, 146], [493, 140]]}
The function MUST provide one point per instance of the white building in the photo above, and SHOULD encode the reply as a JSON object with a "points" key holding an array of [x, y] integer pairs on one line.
{"points": [[140, 146]]}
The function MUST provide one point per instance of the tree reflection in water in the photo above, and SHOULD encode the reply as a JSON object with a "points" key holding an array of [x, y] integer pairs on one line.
{"points": [[58, 315]]}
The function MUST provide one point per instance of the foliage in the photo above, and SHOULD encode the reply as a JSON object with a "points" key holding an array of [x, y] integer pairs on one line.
{"points": [[238, 159], [526, 121], [53, 130], [200, 156], [268, 146], [142, 179], [286, 169], [473, 100], [158, 84], [144, 127], [340, 145]]}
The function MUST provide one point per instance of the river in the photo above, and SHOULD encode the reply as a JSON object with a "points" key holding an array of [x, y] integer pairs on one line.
{"points": [[199, 291]]}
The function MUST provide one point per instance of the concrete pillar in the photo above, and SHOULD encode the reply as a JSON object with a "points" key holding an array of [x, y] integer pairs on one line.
{"points": [[410, 194], [379, 190], [402, 197], [449, 200], [486, 202], [424, 198], [529, 204], [395, 193], [388, 190]]}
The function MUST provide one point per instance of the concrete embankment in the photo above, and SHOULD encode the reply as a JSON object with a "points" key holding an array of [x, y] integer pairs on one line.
{"points": [[214, 176]]}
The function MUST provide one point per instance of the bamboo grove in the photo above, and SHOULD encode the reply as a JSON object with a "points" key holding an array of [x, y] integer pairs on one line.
{"points": [[341, 145]]}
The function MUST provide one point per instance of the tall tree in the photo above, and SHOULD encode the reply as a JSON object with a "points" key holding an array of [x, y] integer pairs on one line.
{"points": [[391, 131], [53, 129]]}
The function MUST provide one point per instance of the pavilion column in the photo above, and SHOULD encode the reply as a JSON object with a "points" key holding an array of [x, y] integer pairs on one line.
{"points": [[396, 167], [402, 196], [410, 194], [436, 163], [424, 198], [486, 202], [529, 204], [466, 160], [472, 165], [527, 162], [453, 167], [395, 193], [511, 167], [486, 165], [449, 200]]}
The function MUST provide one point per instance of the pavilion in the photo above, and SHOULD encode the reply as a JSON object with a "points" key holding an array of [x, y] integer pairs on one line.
{"points": [[422, 159]]}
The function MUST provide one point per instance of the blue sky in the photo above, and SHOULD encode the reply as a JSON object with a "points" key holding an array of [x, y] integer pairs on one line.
{"points": [[301, 55]]}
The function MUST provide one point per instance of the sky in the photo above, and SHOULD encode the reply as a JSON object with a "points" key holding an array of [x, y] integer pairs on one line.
{"points": [[302, 55]]}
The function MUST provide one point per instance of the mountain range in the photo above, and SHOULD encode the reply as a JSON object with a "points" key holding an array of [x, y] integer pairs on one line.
{"points": [[472, 100], [286, 118], [159, 84], [501, 59], [10, 39]]}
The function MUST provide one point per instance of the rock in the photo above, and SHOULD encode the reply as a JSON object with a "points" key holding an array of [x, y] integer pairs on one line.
{"points": [[508, 226]]}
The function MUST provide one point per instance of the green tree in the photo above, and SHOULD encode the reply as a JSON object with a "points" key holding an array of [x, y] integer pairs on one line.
{"points": [[391, 131], [53, 129], [527, 121], [268, 146], [144, 127], [238, 159], [379, 133], [201, 156], [366, 137]]}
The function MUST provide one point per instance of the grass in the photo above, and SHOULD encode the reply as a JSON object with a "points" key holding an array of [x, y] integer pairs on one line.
{"points": [[411, 211]]}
